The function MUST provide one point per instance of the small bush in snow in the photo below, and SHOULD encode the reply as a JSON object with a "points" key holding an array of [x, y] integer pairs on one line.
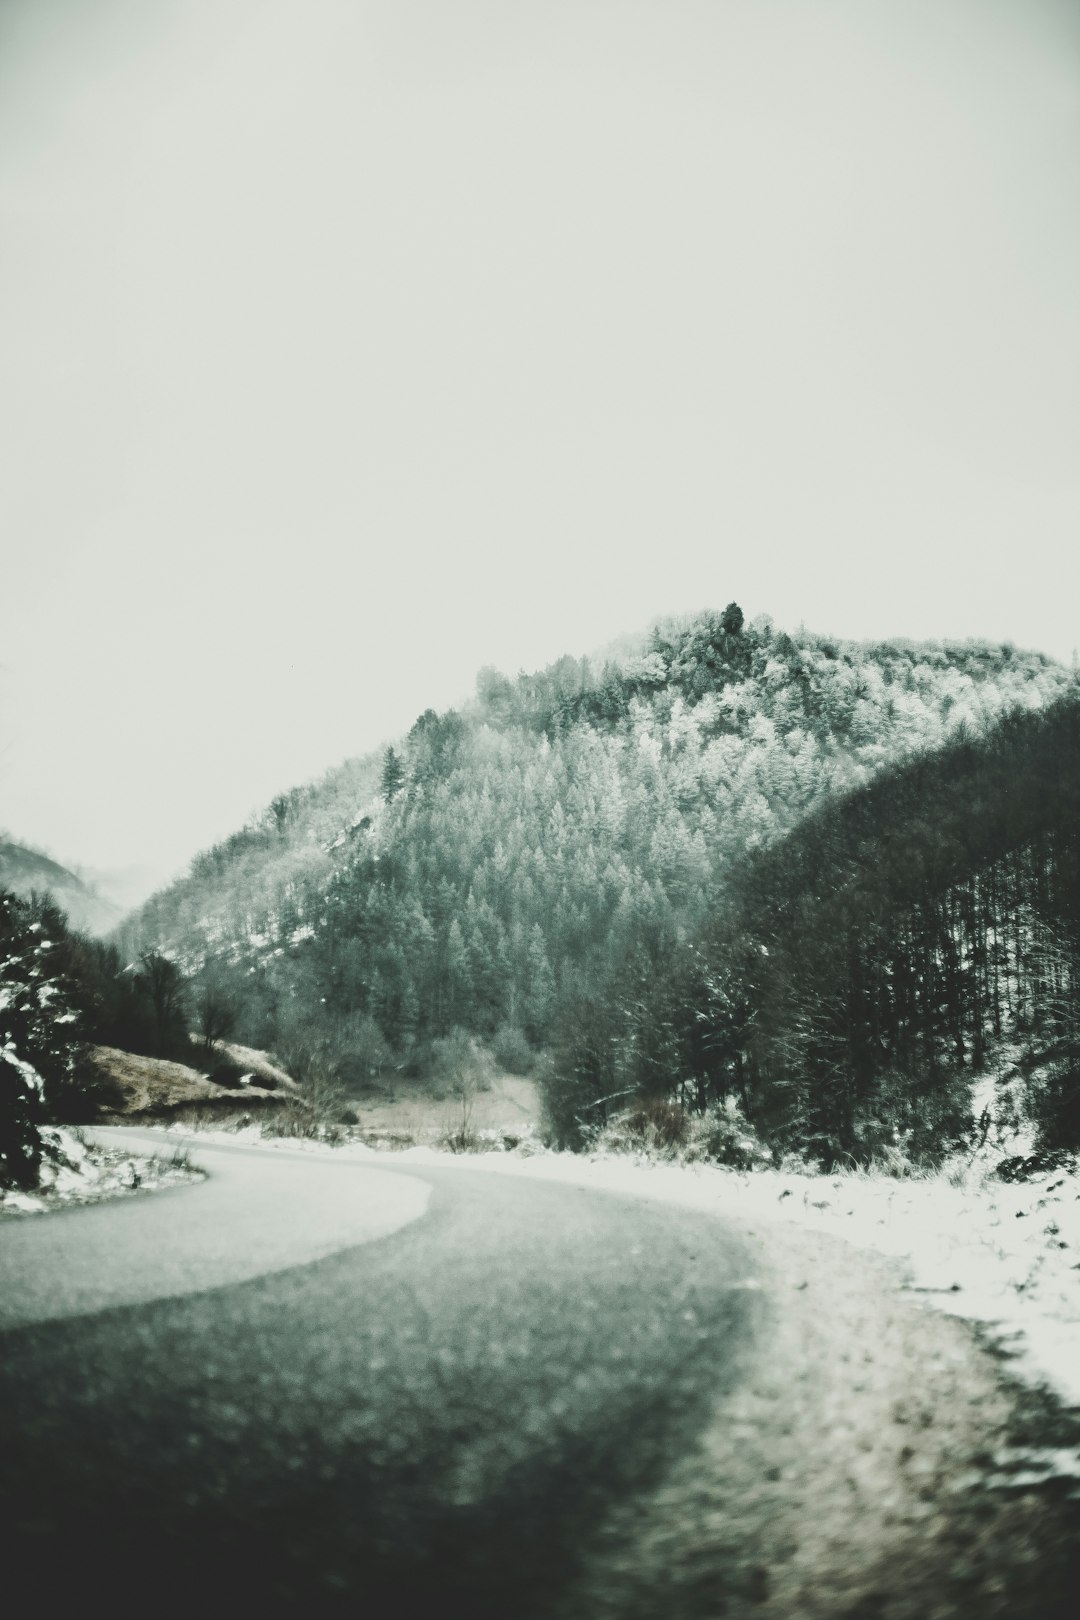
{"points": [[656, 1127], [723, 1135], [663, 1129]]}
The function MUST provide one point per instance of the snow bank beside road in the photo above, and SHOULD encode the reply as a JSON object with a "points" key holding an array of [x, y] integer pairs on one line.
{"points": [[1003, 1254], [253, 1213], [85, 1172], [999, 1253]]}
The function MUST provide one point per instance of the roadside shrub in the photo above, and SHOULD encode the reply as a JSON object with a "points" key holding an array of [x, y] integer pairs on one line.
{"points": [[655, 1127], [318, 1107], [660, 1124], [1022, 1167], [200, 1117], [1054, 1104], [722, 1135], [512, 1051], [483, 1141], [899, 1126], [663, 1129], [460, 1139], [894, 1159]]}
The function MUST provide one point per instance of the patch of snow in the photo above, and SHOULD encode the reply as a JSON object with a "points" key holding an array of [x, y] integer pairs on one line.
{"points": [[251, 1135], [1003, 1254], [27, 1070], [1023, 1466], [22, 1203], [83, 1172]]}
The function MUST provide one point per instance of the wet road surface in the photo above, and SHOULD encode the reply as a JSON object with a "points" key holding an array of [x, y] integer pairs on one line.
{"points": [[435, 1420]]}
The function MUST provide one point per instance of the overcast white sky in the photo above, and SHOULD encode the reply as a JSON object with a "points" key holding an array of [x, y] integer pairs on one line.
{"points": [[346, 347]]}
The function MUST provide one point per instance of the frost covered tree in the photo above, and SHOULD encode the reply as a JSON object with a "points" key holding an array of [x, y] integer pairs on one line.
{"points": [[21, 1142], [393, 776], [40, 1045]]}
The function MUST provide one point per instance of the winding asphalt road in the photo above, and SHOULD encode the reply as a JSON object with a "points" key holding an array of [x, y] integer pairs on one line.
{"points": [[310, 1385]]}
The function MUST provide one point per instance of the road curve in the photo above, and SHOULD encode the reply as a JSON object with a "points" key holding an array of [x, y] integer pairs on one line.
{"points": [[438, 1421], [248, 1218]]}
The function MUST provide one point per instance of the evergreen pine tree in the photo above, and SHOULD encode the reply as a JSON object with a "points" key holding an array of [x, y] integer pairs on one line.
{"points": [[393, 776]]}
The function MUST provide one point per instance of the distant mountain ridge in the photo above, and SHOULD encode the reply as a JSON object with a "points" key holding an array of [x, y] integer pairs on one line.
{"points": [[498, 864], [24, 871]]}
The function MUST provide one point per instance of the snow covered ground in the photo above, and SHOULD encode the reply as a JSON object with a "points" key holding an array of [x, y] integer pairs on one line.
{"points": [[86, 1172], [1003, 1254]]}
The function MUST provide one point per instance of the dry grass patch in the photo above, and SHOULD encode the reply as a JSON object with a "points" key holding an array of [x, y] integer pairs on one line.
{"points": [[153, 1086], [411, 1115]]}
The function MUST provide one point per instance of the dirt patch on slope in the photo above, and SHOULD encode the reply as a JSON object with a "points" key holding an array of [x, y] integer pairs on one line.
{"points": [[146, 1087], [854, 1472], [249, 1060]]}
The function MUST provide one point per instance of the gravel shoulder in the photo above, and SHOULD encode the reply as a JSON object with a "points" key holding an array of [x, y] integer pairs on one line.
{"points": [[907, 1441], [854, 1471]]}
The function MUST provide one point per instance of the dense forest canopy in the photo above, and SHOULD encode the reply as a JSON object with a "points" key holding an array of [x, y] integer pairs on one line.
{"points": [[501, 865], [859, 973]]}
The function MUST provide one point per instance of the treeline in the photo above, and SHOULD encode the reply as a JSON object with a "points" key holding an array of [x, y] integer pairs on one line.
{"points": [[860, 972], [143, 1006], [62, 992], [499, 864]]}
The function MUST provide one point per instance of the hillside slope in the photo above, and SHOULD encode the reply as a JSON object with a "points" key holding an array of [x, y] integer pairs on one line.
{"points": [[902, 941], [26, 871], [501, 862]]}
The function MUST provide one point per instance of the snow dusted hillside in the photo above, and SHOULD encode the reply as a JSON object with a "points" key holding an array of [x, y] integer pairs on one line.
{"points": [[502, 861]]}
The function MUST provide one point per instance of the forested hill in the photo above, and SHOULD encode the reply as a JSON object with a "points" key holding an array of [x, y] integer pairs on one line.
{"points": [[503, 861], [901, 941], [26, 871]]}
